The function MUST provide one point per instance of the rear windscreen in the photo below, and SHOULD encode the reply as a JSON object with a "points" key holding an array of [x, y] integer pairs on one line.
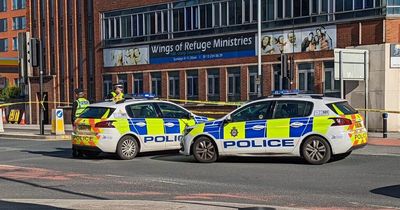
{"points": [[342, 108], [96, 112]]}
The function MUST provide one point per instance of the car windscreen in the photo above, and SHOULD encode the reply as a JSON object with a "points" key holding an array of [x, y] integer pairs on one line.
{"points": [[342, 108], [97, 112]]}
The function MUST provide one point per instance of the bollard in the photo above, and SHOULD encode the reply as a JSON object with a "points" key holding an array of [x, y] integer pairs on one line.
{"points": [[384, 116]]}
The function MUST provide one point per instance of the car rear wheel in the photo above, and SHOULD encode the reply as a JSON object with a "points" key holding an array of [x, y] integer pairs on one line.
{"points": [[316, 150], [204, 150], [127, 148]]}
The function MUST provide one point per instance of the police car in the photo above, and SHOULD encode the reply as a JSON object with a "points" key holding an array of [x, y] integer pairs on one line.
{"points": [[130, 126], [313, 127]]}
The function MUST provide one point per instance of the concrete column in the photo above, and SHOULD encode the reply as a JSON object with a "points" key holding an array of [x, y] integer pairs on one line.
{"points": [[182, 85], [146, 82], [266, 81], [318, 76], [203, 84], [244, 84], [164, 84], [130, 83], [223, 94]]}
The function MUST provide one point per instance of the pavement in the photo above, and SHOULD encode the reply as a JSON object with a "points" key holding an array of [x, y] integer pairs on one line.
{"points": [[43, 175]]}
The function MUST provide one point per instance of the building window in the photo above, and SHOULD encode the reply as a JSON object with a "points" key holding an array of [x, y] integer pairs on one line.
{"points": [[3, 25], [192, 82], [213, 84], [156, 84], [393, 7], [306, 77], [107, 85], [3, 45], [332, 86], [19, 4], [253, 89], [173, 84], [3, 5], [234, 83], [277, 77], [138, 84], [19, 23], [123, 79], [15, 44]]}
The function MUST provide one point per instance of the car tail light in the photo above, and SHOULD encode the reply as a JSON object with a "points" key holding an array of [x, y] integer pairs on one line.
{"points": [[340, 121], [105, 124]]}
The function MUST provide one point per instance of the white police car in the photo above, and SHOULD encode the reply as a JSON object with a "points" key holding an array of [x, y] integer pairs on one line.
{"points": [[130, 126], [313, 127]]}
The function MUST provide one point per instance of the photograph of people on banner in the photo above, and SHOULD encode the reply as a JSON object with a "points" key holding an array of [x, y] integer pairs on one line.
{"points": [[305, 40]]}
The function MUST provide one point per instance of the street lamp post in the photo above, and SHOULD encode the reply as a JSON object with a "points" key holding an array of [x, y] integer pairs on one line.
{"points": [[259, 47]]}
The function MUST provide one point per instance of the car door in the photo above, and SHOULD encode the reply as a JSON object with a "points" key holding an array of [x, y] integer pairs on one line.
{"points": [[245, 131], [175, 120], [145, 121], [290, 121]]}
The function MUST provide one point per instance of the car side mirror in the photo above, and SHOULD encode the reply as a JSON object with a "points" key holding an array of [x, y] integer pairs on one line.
{"points": [[228, 119], [189, 116]]}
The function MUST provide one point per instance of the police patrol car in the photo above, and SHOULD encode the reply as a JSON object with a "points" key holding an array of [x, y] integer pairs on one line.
{"points": [[313, 127], [130, 126]]}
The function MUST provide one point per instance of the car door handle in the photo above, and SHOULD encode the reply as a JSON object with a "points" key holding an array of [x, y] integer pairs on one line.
{"points": [[258, 127], [140, 124], [296, 124], [169, 124]]}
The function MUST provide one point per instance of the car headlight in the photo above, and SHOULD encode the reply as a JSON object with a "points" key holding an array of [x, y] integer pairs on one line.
{"points": [[187, 130]]}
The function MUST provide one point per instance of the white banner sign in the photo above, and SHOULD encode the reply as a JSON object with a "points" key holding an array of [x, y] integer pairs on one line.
{"points": [[128, 56], [303, 40]]}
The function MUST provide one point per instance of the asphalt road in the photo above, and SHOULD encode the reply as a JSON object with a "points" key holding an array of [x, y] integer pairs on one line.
{"points": [[45, 170]]}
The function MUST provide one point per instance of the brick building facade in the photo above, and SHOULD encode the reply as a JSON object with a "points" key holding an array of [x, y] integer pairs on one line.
{"points": [[12, 21]]}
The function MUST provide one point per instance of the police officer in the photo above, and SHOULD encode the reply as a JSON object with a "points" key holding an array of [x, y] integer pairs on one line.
{"points": [[79, 104], [117, 94]]}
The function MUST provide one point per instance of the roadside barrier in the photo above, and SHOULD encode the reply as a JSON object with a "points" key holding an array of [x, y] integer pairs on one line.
{"points": [[57, 122]]}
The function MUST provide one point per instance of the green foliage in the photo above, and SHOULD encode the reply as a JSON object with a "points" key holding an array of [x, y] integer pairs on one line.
{"points": [[11, 92]]}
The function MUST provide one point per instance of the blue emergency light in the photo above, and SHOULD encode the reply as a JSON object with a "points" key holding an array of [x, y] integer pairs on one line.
{"points": [[285, 92]]}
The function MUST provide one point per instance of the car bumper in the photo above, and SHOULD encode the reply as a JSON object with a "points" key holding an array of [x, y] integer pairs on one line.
{"points": [[103, 142], [185, 145]]}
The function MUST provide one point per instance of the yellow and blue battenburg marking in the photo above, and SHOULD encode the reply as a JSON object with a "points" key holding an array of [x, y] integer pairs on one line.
{"points": [[275, 128]]}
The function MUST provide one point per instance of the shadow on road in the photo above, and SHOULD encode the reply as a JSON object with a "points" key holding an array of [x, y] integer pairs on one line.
{"points": [[235, 159], [53, 188], [67, 154], [26, 206], [391, 191]]}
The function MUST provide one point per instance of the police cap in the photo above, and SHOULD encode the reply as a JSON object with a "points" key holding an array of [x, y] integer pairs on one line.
{"points": [[78, 91]]}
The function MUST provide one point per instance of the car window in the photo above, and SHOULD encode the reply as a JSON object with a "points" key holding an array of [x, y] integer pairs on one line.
{"points": [[342, 108], [172, 111], [96, 112], [141, 111], [291, 109], [255, 111]]}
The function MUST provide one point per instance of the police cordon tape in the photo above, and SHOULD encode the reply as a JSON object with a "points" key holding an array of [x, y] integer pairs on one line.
{"points": [[34, 102], [206, 102]]}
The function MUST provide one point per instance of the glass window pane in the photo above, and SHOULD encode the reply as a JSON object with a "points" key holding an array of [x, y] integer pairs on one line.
{"points": [[134, 26], [348, 5], [324, 6], [302, 81], [328, 80], [292, 109], [224, 14], [256, 111], [216, 14], [315, 5], [305, 8], [370, 4], [279, 9], [209, 16], [172, 111], [188, 18], [310, 82], [232, 13], [246, 10], [288, 8], [202, 16], [230, 84], [239, 17], [141, 111], [339, 5], [296, 8], [358, 4], [270, 9]]}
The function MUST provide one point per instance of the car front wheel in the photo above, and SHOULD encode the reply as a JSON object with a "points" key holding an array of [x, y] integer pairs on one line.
{"points": [[204, 150]]}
